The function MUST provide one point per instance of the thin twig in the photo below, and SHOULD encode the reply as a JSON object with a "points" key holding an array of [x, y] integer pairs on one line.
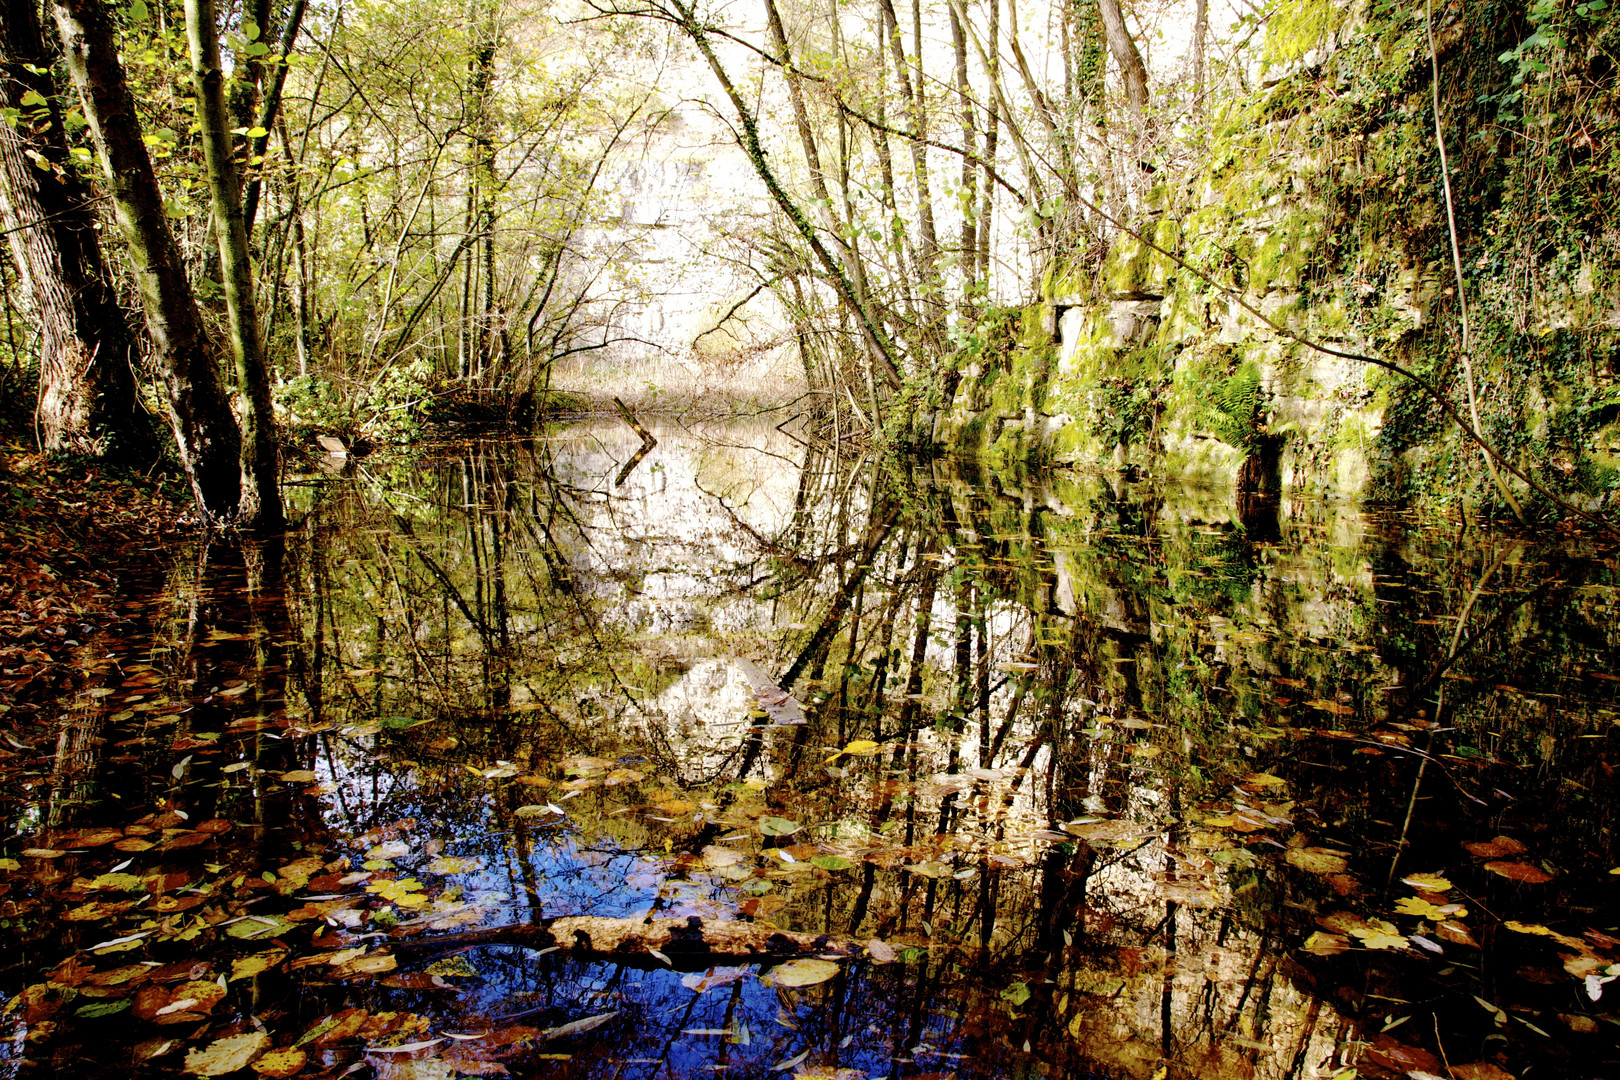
{"points": [[1456, 258]]}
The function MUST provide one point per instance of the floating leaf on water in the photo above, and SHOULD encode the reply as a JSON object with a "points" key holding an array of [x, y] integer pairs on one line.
{"points": [[1427, 882], [255, 926], [455, 864], [1495, 849], [102, 1008], [1107, 832], [699, 981], [1456, 933], [404, 1048], [716, 857], [1316, 860], [296, 776], [280, 1063], [807, 972], [831, 862], [1378, 934], [1412, 905], [1519, 871], [857, 748], [117, 882], [1337, 708], [245, 967], [784, 1066], [881, 952], [778, 826], [42, 853], [227, 1055], [1323, 944], [575, 1027]]}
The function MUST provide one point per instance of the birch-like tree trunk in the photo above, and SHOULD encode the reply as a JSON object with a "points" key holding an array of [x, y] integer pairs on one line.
{"points": [[205, 430], [259, 504]]}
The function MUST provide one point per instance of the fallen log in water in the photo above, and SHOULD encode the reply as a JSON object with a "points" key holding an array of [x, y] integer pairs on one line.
{"points": [[687, 943]]}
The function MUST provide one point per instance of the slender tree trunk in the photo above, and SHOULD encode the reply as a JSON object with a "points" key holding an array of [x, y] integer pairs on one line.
{"points": [[967, 256], [992, 129], [259, 504], [87, 391], [270, 114], [1132, 71], [205, 431], [1200, 34]]}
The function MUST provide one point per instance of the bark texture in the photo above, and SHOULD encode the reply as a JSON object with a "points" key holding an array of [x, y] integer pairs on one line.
{"points": [[259, 504], [87, 387], [205, 430], [1131, 69]]}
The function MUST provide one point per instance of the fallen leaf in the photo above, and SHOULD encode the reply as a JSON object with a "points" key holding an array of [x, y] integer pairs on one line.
{"points": [[1316, 860], [881, 952], [245, 967], [1427, 882], [226, 1055], [807, 972], [576, 1026], [1518, 871], [280, 1063]]}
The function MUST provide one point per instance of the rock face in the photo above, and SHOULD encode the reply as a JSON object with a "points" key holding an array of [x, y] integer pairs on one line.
{"points": [[1318, 203]]}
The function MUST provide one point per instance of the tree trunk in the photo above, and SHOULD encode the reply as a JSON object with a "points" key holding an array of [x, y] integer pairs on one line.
{"points": [[1200, 33], [205, 430], [259, 504], [87, 391], [1131, 68]]}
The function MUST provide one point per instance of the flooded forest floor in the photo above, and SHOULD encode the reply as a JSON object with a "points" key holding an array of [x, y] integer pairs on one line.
{"points": [[731, 756]]}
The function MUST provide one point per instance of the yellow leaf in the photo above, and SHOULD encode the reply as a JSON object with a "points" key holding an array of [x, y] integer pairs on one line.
{"points": [[227, 1055], [803, 973], [1427, 882], [857, 748], [1412, 905], [245, 967]]}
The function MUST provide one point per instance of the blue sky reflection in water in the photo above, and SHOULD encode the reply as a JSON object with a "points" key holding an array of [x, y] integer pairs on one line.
{"points": [[1077, 777]]}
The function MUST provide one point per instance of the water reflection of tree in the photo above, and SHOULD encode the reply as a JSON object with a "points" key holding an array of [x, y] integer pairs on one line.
{"points": [[1104, 661]]}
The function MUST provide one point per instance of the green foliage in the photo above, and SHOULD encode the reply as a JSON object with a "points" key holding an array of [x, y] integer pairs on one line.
{"points": [[1234, 409]]}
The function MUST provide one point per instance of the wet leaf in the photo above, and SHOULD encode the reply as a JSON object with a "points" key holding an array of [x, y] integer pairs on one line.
{"points": [[807, 972], [454, 864], [297, 776], [1317, 860], [881, 952], [1519, 871], [280, 1063], [227, 1055], [857, 748], [1378, 934], [699, 981], [1322, 944], [102, 1008], [1427, 882], [259, 927], [778, 826], [1495, 849], [831, 862], [575, 1027], [245, 967]]}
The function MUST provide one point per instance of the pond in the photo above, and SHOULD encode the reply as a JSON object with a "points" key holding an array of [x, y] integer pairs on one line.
{"points": [[750, 759]]}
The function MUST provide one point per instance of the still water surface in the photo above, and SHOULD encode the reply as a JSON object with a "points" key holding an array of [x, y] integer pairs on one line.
{"points": [[1077, 777]]}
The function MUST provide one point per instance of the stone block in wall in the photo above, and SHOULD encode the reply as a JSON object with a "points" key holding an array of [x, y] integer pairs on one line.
{"points": [[1133, 322]]}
